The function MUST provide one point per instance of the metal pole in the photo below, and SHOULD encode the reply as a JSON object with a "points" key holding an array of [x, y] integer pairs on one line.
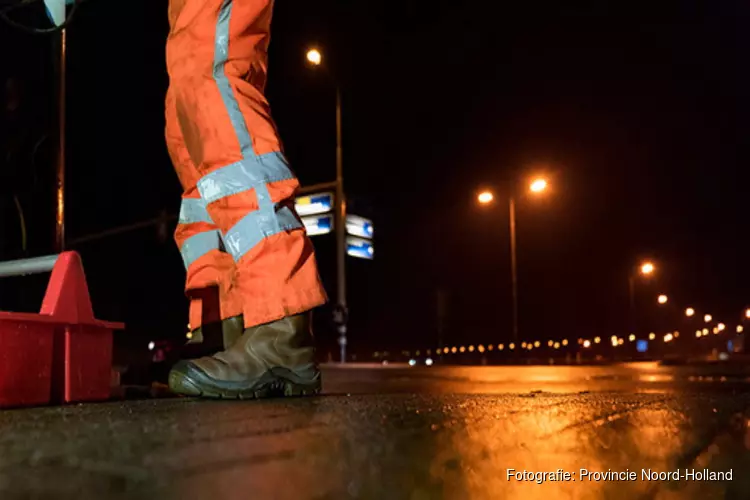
{"points": [[631, 298], [513, 265], [60, 174], [340, 223], [441, 306], [23, 267]]}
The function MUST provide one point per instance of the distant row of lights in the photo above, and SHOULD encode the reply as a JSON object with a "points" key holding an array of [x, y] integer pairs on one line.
{"points": [[585, 343]]}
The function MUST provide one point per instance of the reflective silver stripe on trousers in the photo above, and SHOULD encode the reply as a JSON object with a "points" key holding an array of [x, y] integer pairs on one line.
{"points": [[199, 245], [193, 210], [252, 172]]}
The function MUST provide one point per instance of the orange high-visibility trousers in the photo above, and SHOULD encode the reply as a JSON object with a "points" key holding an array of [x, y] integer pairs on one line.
{"points": [[238, 231]]}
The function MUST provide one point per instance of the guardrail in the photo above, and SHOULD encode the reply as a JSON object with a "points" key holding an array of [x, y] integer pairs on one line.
{"points": [[23, 267]]}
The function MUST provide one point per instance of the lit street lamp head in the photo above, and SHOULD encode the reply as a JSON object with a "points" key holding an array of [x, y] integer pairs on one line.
{"points": [[314, 57], [689, 312], [647, 268], [538, 185], [485, 197], [662, 299]]}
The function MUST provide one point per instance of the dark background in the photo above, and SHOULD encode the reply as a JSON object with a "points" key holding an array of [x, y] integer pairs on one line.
{"points": [[637, 111]]}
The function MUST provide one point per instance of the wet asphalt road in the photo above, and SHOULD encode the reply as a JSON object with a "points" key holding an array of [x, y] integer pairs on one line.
{"points": [[399, 433]]}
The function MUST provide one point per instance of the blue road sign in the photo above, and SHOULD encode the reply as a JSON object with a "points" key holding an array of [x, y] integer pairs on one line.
{"points": [[359, 226], [360, 248], [641, 345], [318, 224], [313, 204]]}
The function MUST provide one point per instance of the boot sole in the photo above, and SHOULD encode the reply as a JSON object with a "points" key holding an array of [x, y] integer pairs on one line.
{"points": [[277, 382]]}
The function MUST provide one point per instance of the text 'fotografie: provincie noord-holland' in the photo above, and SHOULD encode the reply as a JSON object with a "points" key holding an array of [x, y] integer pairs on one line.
{"points": [[610, 475]]}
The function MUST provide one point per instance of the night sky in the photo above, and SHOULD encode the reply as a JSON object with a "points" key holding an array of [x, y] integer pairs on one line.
{"points": [[636, 111]]}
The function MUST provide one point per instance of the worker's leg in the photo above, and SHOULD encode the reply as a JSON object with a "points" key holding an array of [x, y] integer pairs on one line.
{"points": [[210, 271], [217, 59]]}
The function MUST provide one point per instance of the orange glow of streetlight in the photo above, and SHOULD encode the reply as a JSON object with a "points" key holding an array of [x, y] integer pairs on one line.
{"points": [[586, 344], [662, 299], [689, 312], [314, 57], [647, 268], [485, 197], [747, 313], [707, 318], [538, 185]]}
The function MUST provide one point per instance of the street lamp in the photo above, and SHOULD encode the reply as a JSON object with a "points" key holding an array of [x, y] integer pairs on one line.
{"points": [[645, 269], [536, 186], [689, 312], [485, 197], [315, 58], [707, 318], [662, 299]]}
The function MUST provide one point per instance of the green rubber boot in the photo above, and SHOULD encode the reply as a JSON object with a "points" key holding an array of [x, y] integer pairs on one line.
{"points": [[274, 359], [231, 329]]}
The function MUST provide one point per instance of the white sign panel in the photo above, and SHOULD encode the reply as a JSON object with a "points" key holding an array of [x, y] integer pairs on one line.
{"points": [[360, 248], [318, 224], [56, 10], [313, 204], [359, 226]]}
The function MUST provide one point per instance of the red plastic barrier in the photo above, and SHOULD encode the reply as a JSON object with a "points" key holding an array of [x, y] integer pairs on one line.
{"points": [[61, 355]]}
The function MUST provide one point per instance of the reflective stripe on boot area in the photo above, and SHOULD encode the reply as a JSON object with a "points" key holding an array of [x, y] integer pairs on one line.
{"points": [[274, 359]]}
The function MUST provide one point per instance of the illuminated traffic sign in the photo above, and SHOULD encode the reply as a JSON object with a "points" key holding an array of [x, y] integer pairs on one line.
{"points": [[313, 204], [360, 248], [359, 226], [318, 224]]}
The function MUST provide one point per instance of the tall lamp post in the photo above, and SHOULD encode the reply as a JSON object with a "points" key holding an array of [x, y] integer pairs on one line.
{"points": [[315, 58], [644, 269], [485, 198]]}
